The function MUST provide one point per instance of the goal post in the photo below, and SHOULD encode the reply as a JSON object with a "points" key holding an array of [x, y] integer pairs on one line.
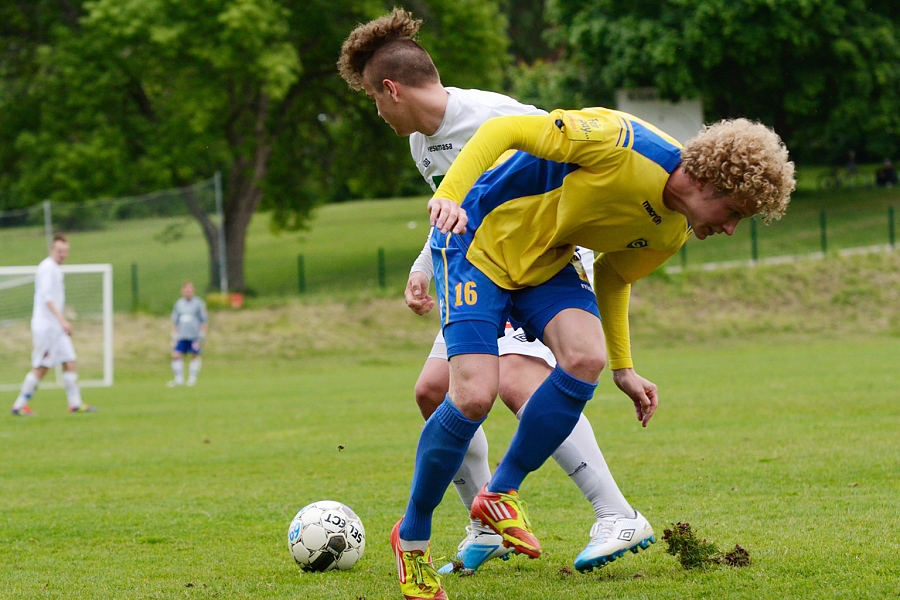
{"points": [[89, 307]]}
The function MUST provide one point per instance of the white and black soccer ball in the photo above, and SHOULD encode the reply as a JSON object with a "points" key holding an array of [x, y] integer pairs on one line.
{"points": [[326, 535]]}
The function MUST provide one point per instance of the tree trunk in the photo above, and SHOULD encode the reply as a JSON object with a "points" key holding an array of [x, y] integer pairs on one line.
{"points": [[210, 232], [235, 244]]}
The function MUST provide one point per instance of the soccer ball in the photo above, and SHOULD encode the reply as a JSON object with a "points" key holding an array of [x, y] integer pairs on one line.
{"points": [[326, 535]]}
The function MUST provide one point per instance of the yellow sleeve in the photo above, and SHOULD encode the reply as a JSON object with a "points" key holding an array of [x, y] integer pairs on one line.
{"points": [[580, 137], [493, 138], [614, 272]]}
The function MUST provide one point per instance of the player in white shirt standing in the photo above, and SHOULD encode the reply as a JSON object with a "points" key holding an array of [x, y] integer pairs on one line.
{"points": [[382, 59], [189, 319], [51, 333]]}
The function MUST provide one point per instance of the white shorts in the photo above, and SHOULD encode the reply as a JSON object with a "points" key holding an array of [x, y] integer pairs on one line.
{"points": [[512, 342], [51, 347]]}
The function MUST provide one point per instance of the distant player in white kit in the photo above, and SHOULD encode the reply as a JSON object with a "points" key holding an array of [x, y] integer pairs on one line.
{"points": [[51, 333], [189, 319]]}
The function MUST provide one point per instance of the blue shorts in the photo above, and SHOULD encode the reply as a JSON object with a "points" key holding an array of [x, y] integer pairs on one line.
{"points": [[186, 347], [474, 309]]}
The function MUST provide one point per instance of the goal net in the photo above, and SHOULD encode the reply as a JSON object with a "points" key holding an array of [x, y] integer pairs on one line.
{"points": [[88, 308]]}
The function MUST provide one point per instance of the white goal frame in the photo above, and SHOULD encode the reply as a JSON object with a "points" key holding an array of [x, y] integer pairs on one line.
{"points": [[105, 269]]}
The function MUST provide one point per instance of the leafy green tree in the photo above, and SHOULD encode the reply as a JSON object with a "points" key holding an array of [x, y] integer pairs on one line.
{"points": [[824, 73], [117, 97]]}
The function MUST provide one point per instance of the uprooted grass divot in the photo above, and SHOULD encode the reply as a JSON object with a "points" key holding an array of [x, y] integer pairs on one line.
{"points": [[693, 552]]}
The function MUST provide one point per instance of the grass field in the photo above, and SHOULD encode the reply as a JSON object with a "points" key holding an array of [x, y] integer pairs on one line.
{"points": [[777, 431], [788, 449]]}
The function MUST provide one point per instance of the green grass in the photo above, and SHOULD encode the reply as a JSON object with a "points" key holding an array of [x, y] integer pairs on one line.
{"points": [[787, 448], [777, 429], [340, 248]]}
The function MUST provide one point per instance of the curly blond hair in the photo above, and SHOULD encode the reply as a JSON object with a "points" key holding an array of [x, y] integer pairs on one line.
{"points": [[745, 160], [387, 47]]}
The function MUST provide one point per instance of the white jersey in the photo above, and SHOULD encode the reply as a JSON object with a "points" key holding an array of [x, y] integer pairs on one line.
{"points": [[48, 287], [466, 111]]}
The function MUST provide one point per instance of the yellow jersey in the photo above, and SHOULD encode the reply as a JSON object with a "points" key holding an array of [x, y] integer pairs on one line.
{"points": [[601, 188]]}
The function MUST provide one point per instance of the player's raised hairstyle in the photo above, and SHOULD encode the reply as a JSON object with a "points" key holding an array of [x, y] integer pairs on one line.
{"points": [[386, 48], [745, 160], [60, 237]]}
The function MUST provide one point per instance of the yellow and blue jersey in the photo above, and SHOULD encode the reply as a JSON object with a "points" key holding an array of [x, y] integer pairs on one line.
{"points": [[592, 178]]}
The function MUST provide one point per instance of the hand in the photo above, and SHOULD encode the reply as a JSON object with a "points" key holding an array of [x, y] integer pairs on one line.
{"points": [[197, 344], [67, 327], [416, 294], [447, 216], [641, 391]]}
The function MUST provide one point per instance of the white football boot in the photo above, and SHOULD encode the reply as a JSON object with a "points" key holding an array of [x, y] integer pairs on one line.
{"points": [[611, 537]]}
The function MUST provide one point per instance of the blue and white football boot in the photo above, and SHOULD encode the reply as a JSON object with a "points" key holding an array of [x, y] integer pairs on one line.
{"points": [[479, 546]]}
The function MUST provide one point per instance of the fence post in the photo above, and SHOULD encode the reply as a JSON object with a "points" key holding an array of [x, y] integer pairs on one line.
{"points": [[48, 223], [301, 274], [823, 229], [134, 287], [382, 273], [754, 251], [891, 236]]}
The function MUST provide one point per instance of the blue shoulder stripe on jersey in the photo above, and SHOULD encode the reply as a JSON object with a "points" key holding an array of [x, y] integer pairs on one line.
{"points": [[521, 175], [656, 148]]}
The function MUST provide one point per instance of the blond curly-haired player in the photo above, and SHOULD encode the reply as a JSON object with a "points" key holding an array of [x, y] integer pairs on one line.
{"points": [[505, 227]]}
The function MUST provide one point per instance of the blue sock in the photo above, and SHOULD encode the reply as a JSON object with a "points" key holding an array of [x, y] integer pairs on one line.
{"points": [[546, 422], [442, 445]]}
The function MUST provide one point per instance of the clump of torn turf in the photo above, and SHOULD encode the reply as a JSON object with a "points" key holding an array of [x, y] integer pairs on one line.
{"points": [[693, 552], [737, 557]]}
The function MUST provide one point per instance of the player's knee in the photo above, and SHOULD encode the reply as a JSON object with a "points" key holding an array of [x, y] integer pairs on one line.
{"points": [[585, 363], [514, 392], [520, 376], [429, 395], [474, 404]]}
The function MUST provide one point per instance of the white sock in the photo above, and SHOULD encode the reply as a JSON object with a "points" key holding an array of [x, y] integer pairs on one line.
{"points": [[581, 459], [194, 368], [178, 369], [73, 394], [412, 546], [474, 471], [29, 385]]}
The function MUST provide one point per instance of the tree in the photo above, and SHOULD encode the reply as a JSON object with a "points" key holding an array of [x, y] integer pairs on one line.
{"points": [[825, 74], [116, 97]]}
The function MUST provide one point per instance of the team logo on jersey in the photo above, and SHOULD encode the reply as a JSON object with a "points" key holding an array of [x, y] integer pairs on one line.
{"points": [[638, 243], [656, 218], [426, 163]]}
